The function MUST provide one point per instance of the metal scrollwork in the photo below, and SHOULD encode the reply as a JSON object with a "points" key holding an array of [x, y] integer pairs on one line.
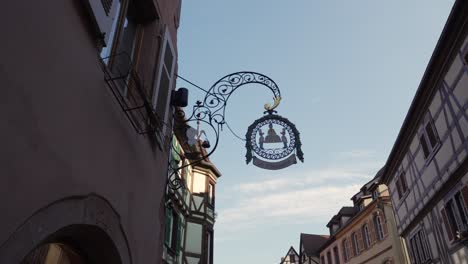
{"points": [[212, 109]]}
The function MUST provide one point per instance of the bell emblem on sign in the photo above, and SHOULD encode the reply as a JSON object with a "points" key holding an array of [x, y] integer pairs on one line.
{"points": [[272, 137]]}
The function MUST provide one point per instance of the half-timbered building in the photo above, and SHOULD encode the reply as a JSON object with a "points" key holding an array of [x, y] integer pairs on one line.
{"points": [[291, 257], [190, 209], [427, 168]]}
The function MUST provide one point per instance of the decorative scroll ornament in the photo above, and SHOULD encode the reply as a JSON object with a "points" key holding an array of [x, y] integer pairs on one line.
{"points": [[272, 138], [275, 142]]}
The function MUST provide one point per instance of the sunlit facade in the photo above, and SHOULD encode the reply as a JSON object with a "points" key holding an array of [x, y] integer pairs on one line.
{"points": [[190, 211], [366, 232], [427, 171]]}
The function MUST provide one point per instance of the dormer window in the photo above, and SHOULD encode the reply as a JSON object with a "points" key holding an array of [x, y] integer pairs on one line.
{"points": [[375, 194]]}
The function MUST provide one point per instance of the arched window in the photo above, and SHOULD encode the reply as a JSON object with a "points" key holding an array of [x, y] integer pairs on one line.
{"points": [[378, 227], [345, 249], [355, 244], [366, 236]]}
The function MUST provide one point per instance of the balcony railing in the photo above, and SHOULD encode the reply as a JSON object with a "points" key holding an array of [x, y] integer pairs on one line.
{"points": [[130, 93]]}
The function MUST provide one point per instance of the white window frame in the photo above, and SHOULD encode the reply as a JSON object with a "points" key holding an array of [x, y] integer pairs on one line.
{"points": [[167, 43], [356, 244], [379, 227], [366, 239]]}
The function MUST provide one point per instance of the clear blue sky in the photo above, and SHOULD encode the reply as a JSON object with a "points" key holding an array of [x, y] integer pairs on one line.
{"points": [[347, 71]]}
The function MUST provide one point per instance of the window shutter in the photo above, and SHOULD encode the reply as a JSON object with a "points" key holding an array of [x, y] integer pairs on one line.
{"points": [[167, 239], [103, 12], [179, 235], [464, 192], [448, 228]]}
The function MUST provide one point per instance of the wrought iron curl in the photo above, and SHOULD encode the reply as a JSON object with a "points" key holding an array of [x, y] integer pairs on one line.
{"points": [[212, 111]]}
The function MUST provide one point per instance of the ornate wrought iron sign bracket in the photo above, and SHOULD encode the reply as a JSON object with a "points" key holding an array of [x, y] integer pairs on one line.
{"points": [[267, 148]]}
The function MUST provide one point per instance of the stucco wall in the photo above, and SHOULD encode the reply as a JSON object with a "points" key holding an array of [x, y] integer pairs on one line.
{"points": [[63, 133]]}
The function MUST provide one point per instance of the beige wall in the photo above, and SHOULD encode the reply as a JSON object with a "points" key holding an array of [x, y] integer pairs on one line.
{"points": [[389, 248]]}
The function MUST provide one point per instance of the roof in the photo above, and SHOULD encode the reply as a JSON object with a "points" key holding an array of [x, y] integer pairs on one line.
{"points": [[452, 36], [348, 210], [312, 243], [290, 252]]}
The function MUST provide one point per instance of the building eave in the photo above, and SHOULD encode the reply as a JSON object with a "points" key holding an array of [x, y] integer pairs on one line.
{"points": [[451, 37]]}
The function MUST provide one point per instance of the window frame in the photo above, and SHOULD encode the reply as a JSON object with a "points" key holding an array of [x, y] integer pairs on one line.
{"points": [[456, 215], [166, 43], [419, 248], [424, 139], [366, 236], [336, 254], [355, 243], [402, 185], [346, 252], [378, 227]]}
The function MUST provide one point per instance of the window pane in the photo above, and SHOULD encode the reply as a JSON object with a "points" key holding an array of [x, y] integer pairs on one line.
{"points": [[337, 255], [431, 135], [162, 95], [168, 58], [424, 146], [404, 187], [461, 209], [105, 52]]}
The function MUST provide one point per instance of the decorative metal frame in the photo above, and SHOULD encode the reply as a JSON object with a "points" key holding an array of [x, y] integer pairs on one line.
{"points": [[212, 112]]}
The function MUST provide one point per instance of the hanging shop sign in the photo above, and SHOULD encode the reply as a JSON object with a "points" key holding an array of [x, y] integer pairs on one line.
{"points": [[273, 142]]}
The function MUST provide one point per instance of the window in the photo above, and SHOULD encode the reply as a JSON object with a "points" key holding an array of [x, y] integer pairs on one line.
{"points": [[173, 231], [378, 227], [329, 257], [336, 255], [455, 216], [211, 193], [322, 259], [106, 50], [375, 194], [366, 236], [401, 185], [165, 78], [104, 13], [429, 139], [292, 258], [419, 248], [345, 249], [209, 247], [355, 244]]}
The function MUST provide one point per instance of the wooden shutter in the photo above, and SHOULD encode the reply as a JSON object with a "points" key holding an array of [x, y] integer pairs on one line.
{"points": [[179, 235], [464, 192], [167, 238], [447, 225], [103, 13]]}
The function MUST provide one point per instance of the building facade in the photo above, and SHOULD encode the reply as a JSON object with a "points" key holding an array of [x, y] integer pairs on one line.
{"points": [[309, 245], [427, 170], [86, 129], [366, 232], [291, 257], [190, 209]]}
